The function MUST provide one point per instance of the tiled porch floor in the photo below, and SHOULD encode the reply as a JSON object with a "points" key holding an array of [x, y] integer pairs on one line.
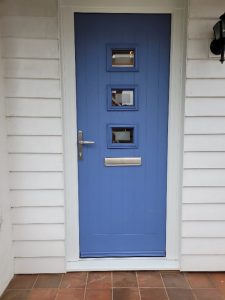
{"points": [[144, 285]]}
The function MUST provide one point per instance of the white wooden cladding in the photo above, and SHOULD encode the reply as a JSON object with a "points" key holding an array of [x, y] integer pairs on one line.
{"points": [[35, 144], [206, 9], [38, 248], [36, 88], [205, 88], [204, 212], [205, 194], [205, 160], [30, 48], [35, 180], [40, 8], [38, 215], [35, 162], [203, 246], [205, 69], [30, 42], [204, 177], [19, 107], [203, 208], [38, 232], [206, 142], [30, 198], [200, 107], [34, 126], [203, 262], [198, 49], [31, 68], [31, 265], [203, 229], [204, 125], [29, 27]]}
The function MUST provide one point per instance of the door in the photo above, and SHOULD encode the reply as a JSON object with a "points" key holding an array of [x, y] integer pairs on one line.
{"points": [[122, 71]]}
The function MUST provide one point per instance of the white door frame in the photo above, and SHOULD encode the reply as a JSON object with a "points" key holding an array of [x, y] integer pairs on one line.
{"points": [[177, 9]]}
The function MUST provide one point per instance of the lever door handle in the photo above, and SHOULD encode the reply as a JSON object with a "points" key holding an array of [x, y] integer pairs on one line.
{"points": [[81, 143], [86, 142]]}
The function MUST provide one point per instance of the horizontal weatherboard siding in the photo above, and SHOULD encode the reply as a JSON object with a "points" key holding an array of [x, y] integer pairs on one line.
{"points": [[197, 107], [29, 27], [203, 246], [33, 265], [204, 125], [38, 249], [19, 107], [30, 198], [34, 126], [36, 180], [31, 68], [31, 56], [35, 162], [38, 215], [203, 229], [204, 212], [205, 194], [203, 197], [206, 142], [30, 48], [36, 88], [204, 160], [38, 232]]}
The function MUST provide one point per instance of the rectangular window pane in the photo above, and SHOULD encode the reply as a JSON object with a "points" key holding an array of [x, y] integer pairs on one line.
{"points": [[122, 135], [122, 97], [123, 58]]}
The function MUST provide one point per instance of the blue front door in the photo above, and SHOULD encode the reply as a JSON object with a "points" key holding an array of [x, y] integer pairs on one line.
{"points": [[122, 71]]}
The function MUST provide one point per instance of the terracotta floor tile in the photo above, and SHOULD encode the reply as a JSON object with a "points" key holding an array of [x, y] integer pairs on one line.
{"points": [[222, 290], [124, 279], [43, 294], [126, 294], [15, 295], [199, 280], [22, 282], [149, 279], [74, 280], [153, 294], [99, 294], [218, 278], [174, 279], [48, 281], [70, 294], [180, 294], [208, 294], [99, 280]]}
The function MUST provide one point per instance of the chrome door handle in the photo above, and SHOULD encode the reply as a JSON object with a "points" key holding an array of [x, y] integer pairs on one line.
{"points": [[86, 142], [81, 142]]}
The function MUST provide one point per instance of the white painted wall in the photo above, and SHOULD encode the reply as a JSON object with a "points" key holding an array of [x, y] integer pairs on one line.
{"points": [[32, 84], [203, 214], [6, 255]]}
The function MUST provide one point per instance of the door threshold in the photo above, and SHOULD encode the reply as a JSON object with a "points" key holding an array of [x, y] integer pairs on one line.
{"points": [[122, 264]]}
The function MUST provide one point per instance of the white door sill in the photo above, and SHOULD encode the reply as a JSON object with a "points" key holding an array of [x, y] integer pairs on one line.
{"points": [[121, 264]]}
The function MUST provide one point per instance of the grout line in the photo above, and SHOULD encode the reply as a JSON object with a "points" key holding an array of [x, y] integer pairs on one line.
{"points": [[85, 289], [139, 292], [35, 281], [59, 286], [112, 283], [164, 286], [190, 286]]}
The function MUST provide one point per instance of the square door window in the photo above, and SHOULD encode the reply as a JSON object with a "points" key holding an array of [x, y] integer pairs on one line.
{"points": [[122, 136], [122, 97], [122, 58]]}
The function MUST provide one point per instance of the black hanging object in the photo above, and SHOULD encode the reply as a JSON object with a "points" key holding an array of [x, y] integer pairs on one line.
{"points": [[217, 46]]}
